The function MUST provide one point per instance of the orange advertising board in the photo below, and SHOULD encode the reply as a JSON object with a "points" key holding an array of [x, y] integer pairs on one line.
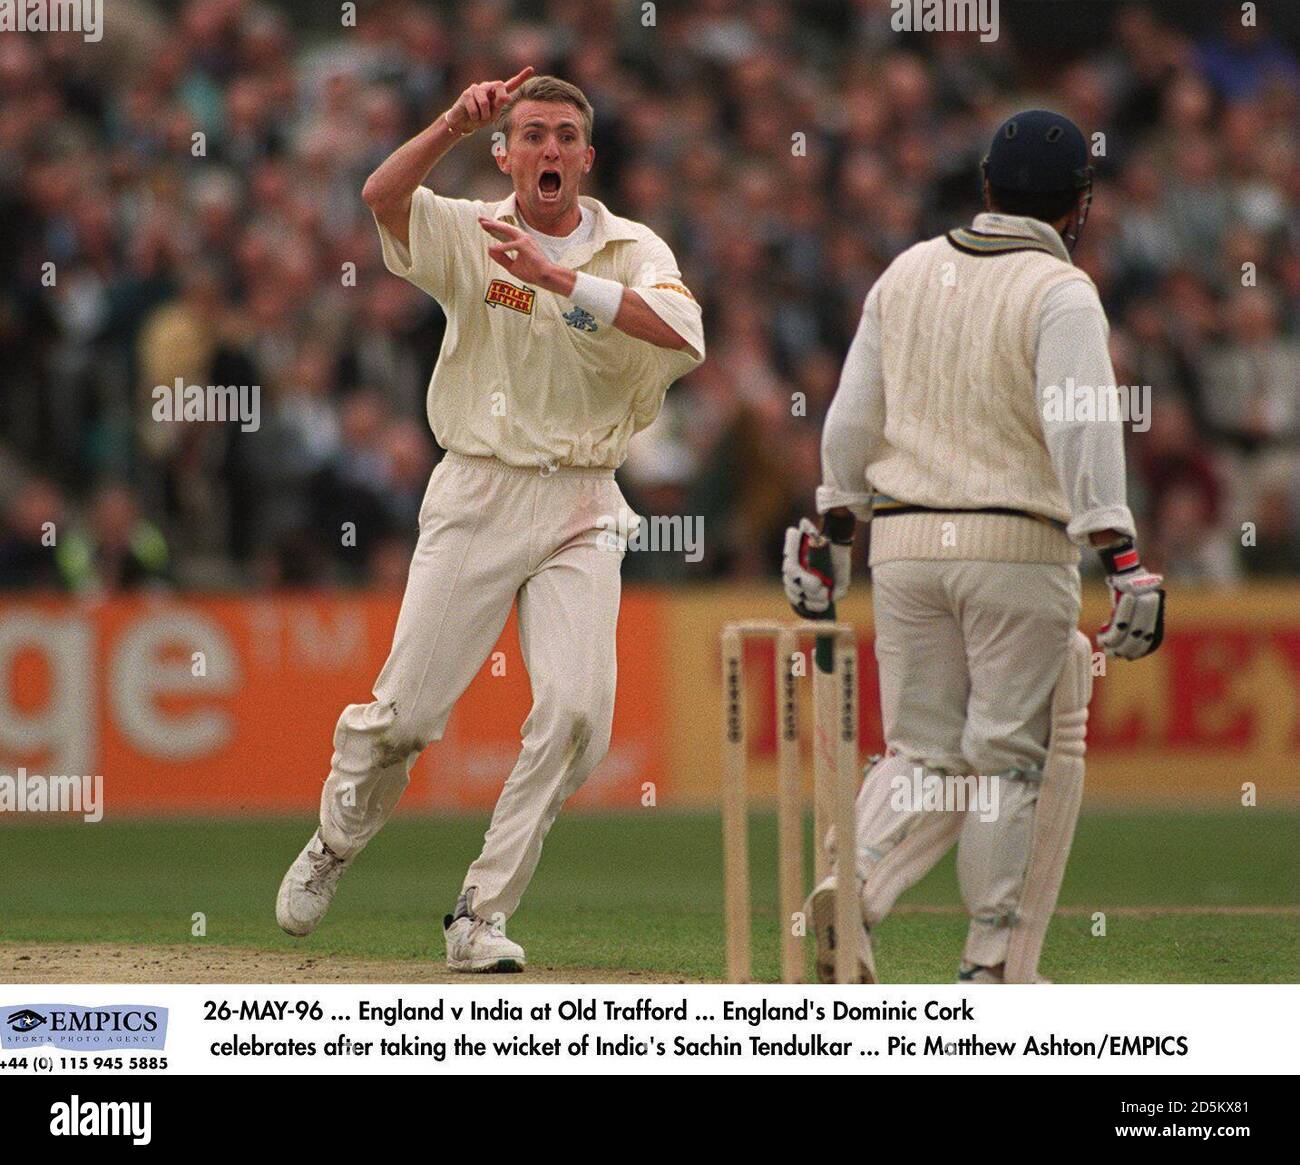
{"points": [[228, 705]]}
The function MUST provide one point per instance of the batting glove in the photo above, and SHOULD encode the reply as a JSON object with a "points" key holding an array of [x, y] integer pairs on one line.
{"points": [[1137, 604], [810, 590]]}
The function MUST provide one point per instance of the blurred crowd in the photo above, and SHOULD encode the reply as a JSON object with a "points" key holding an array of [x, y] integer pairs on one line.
{"points": [[182, 200]]}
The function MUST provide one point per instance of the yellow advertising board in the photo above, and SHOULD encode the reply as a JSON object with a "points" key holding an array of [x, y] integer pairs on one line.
{"points": [[1215, 710]]}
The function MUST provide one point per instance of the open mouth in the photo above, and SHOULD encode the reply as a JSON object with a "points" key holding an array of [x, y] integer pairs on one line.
{"points": [[548, 185]]}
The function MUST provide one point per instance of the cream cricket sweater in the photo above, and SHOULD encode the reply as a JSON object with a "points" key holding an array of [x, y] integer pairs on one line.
{"points": [[941, 402]]}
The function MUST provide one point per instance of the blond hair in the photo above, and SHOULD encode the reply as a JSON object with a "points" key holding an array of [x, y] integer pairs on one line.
{"points": [[550, 89]]}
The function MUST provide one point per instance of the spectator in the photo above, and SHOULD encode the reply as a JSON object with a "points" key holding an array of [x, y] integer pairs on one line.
{"points": [[1249, 387], [1178, 479], [1243, 58], [29, 538], [1275, 548], [117, 550], [787, 152]]}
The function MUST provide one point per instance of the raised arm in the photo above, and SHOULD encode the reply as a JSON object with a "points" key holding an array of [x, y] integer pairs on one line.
{"points": [[389, 189]]}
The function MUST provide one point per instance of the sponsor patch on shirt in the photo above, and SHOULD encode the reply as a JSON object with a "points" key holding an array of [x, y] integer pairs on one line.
{"points": [[584, 321], [507, 294], [677, 287]]}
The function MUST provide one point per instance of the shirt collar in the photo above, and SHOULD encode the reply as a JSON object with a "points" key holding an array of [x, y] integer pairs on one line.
{"points": [[607, 227], [1022, 227]]}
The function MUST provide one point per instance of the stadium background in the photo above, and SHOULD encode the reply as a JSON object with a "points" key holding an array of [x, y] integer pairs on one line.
{"points": [[232, 267]]}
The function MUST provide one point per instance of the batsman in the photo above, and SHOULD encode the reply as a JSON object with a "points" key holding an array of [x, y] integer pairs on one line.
{"points": [[976, 426]]}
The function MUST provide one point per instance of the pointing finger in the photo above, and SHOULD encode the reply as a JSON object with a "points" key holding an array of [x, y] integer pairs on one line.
{"points": [[519, 78]]}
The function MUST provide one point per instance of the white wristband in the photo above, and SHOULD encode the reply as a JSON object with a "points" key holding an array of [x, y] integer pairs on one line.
{"points": [[601, 297]]}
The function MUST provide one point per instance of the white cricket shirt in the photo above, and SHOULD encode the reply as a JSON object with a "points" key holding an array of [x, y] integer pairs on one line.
{"points": [[524, 375]]}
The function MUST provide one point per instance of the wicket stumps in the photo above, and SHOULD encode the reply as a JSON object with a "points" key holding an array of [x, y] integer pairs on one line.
{"points": [[835, 786]]}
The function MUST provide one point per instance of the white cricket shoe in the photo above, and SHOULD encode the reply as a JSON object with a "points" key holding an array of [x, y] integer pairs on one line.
{"points": [[474, 944], [308, 887], [820, 911]]}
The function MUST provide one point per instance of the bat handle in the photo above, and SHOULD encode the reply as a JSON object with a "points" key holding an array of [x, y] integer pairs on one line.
{"points": [[819, 558]]}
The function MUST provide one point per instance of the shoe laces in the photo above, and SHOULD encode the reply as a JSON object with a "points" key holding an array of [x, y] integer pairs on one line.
{"points": [[325, 868], [494, 929]]}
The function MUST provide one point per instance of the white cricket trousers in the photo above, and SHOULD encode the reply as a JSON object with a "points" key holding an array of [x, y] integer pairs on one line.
{"points": [[968, 654], [492, 535]]}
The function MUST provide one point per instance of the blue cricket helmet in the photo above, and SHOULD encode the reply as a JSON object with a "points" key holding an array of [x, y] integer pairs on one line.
{"points": [[1037, 151]]}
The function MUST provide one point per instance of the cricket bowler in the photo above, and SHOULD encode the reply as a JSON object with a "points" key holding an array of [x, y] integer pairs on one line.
{"points": [[948, 434], [565, 326]]}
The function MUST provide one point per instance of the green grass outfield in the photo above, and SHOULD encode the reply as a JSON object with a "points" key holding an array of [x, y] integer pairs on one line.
{"points": [[1189, 898]]}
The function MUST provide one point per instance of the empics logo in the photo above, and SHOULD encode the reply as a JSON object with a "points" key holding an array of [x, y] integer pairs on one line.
{"points": [[507, 294], [75, 1117], [71, 1027], [25, 1020]]}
